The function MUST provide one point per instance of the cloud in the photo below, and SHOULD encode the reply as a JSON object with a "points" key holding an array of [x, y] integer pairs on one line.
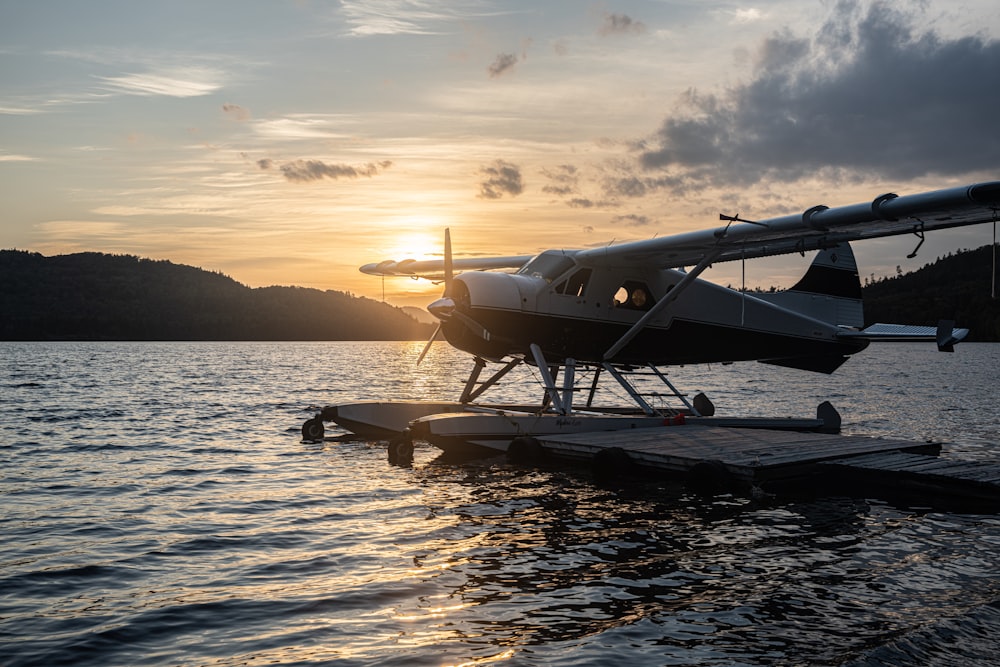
{"points": [[180, 82], [405, 17], [632, 220], [304, 171], [564, 180], [19, 111], [746, 15], [504, 63], [300, 126], [236, 112], [11, 157], [868, 94], [621, 24], [625, 186], [502, 178]]}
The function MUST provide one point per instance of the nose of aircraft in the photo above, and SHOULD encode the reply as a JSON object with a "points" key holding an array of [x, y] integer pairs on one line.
{"points": [[443, 308]]}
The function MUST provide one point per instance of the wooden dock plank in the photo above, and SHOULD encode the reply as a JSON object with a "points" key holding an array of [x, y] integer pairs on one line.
{"points": [[761, 456], [938, 477], [732, 446], [982, 471]]}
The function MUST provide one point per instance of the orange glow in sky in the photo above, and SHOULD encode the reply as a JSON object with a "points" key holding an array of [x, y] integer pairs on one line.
{"points": [[290, 143]]}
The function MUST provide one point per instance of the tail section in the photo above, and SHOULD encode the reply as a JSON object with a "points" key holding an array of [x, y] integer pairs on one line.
{"points": [[829, 291]]}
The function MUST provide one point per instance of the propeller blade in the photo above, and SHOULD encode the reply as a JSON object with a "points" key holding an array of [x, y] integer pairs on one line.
{"points": [[427, 347], [443, 307], [447, 262]]}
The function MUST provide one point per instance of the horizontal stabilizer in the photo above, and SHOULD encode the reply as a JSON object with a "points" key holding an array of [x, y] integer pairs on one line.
{"points": [[945, 334]]}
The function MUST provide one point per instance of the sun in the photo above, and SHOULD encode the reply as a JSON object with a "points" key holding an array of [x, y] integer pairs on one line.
{"points": [[417, 238]]}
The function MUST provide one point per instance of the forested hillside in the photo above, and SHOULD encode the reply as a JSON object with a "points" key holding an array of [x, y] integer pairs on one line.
{"points": [[953, 287], [94, 296]]}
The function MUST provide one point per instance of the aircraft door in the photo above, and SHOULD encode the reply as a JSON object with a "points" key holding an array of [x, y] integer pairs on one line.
{"points": [[569, 295]]}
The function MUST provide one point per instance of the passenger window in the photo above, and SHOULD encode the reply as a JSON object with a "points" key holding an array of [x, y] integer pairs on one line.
{"points": [[634, 295]]}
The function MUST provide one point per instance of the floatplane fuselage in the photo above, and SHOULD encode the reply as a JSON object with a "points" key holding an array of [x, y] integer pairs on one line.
{"points": [[572, 311]]}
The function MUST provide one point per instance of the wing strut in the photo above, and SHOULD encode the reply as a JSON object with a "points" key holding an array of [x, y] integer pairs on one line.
{"points": [[919, 232], [661, 305], [550, 383]]}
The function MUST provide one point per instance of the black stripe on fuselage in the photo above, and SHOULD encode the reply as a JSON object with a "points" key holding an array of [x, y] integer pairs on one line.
{"points": [[683, 342]]}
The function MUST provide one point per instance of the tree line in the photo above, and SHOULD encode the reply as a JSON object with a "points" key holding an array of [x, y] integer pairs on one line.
{"points": [[96, 296], [955, 287]]}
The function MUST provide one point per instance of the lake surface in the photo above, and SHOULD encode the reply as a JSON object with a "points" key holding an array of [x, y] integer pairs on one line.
{"points": [[159, 508]]}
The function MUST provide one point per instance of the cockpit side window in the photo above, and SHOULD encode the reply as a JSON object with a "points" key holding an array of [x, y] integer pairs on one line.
{"points": [[549, 266], [634, 295], [576, 284]]}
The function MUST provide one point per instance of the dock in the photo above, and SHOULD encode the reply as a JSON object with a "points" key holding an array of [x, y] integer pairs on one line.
{"points": [[761, 458]]}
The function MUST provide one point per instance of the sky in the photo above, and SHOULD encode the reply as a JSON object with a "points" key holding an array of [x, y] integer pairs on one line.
{"points": [[288, 142]]}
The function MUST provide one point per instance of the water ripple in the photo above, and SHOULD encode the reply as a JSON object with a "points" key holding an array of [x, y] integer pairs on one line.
{"points": [[159, 509]]}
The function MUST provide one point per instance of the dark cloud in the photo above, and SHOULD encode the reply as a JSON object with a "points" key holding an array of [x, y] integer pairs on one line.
{"points": [[526, 44], [586, 202], [869, 94], [502, 178], [236, 112], [303, 171], [632, 220], [626, 186], [618, 24], [559, 190], [563, 180], [503, 64]]}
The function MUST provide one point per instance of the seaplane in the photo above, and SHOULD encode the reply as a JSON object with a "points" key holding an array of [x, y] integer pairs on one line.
{"points": [[634, 308]]}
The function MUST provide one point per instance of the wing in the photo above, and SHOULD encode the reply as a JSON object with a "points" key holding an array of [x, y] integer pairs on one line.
{"points": [[816, 228], [433, 269]]}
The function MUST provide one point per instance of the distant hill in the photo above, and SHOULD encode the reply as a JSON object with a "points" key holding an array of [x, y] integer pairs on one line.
{"points": [[956, 287], [94, 296], [420, 315]]}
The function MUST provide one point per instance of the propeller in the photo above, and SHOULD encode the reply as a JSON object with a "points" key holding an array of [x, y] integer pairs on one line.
{"points": [[445, 306], [444, 309]]}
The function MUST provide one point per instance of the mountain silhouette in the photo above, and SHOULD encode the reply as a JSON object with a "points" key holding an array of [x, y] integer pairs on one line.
{"points": [[96, 296]]}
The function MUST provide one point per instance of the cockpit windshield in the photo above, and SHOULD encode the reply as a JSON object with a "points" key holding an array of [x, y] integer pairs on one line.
{"points": [[549, 265]]}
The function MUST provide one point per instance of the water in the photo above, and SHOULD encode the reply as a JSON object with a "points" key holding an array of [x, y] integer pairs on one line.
{"points": [[159, 508]]}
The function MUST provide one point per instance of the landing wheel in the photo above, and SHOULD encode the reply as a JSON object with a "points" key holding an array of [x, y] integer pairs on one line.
{"points": [[611, 464], [525, 449], [313, 430], [401, 450], [709, 478]]}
